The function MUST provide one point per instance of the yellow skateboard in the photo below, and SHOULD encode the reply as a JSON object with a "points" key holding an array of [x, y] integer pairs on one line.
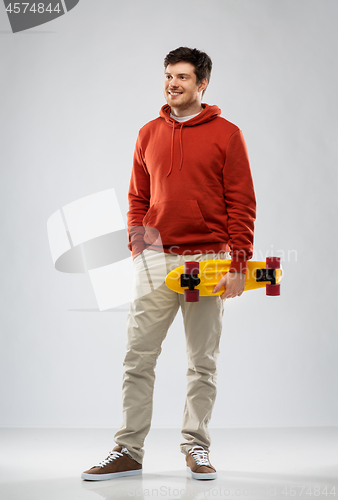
{"points": [[196, 279]]}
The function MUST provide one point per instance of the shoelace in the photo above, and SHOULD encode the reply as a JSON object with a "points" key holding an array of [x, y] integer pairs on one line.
{"points": [[113, 455], [200, 455]]}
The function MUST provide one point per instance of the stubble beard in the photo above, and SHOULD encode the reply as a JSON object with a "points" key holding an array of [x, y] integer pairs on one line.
{"points": [[181, 103]]}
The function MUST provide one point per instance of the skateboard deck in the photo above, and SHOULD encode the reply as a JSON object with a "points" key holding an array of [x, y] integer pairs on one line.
{"points": [[199, 278]]}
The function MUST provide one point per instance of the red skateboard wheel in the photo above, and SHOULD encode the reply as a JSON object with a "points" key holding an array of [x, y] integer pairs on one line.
{"points": [[191, 268], [273, 290], [273, 262], [191, 295]]}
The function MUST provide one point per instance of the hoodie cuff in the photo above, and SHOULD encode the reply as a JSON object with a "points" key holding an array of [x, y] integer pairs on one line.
{"points": [[238, 266], [137, 248]]}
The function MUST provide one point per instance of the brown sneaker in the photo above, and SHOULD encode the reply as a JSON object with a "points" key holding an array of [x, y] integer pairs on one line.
{"points": [[118, 464], [198, 464]]}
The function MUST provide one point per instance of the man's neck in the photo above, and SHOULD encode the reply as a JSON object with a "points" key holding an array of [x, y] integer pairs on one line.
{"points": [[191, 110]]}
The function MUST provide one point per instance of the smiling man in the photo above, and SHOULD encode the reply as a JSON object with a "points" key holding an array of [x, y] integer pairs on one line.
{"points": [[191, 183]]}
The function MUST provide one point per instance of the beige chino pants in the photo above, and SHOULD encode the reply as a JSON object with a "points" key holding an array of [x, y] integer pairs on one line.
{"points": [[152, 311]]}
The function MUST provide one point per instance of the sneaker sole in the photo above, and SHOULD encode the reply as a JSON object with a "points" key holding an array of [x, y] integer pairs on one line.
{"points": [[113, 475], [202, 475]]}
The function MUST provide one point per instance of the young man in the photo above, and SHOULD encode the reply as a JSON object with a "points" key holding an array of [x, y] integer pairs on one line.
{"points": [[191, 198]]}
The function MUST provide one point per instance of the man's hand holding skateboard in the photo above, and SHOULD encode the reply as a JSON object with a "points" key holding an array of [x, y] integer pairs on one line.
{"points": [[233, 283]]}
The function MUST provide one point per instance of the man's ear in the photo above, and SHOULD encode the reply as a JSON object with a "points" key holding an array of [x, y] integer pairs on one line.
{"points": [[203, 85]]}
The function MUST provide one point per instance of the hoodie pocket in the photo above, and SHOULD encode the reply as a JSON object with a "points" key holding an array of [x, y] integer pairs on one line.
{"points": [[178, 222]]}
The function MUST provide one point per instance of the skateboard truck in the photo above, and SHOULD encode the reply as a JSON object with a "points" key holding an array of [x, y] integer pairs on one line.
{"points": [[191, 280], [266, 275], [269, 274]]}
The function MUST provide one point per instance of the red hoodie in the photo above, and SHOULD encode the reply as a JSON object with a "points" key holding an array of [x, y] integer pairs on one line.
{"points": [[192, 182]]}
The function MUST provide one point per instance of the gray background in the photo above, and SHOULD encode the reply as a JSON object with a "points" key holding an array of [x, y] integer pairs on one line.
{"points": [[74, 93]]}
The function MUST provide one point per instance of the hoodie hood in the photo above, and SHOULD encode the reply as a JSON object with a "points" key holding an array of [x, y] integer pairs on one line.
{"points": [[209, 113]]}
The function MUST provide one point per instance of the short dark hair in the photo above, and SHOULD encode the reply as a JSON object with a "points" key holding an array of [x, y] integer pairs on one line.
{"points": [[200, 60]]}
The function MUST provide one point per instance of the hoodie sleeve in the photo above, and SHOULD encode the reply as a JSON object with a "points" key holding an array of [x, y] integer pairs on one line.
{"points": [[139, 200], [240, 201]]}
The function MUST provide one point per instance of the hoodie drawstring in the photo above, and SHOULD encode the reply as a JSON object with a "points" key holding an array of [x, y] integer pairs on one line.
{"points": [[172, 148], [181, 147]]}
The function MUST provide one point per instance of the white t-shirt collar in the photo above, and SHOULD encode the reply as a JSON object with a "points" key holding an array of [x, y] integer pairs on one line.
{"points": [[182, 119]]}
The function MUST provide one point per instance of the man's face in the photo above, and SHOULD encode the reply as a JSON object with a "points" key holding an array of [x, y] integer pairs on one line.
{"points": [[180, 88]]}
